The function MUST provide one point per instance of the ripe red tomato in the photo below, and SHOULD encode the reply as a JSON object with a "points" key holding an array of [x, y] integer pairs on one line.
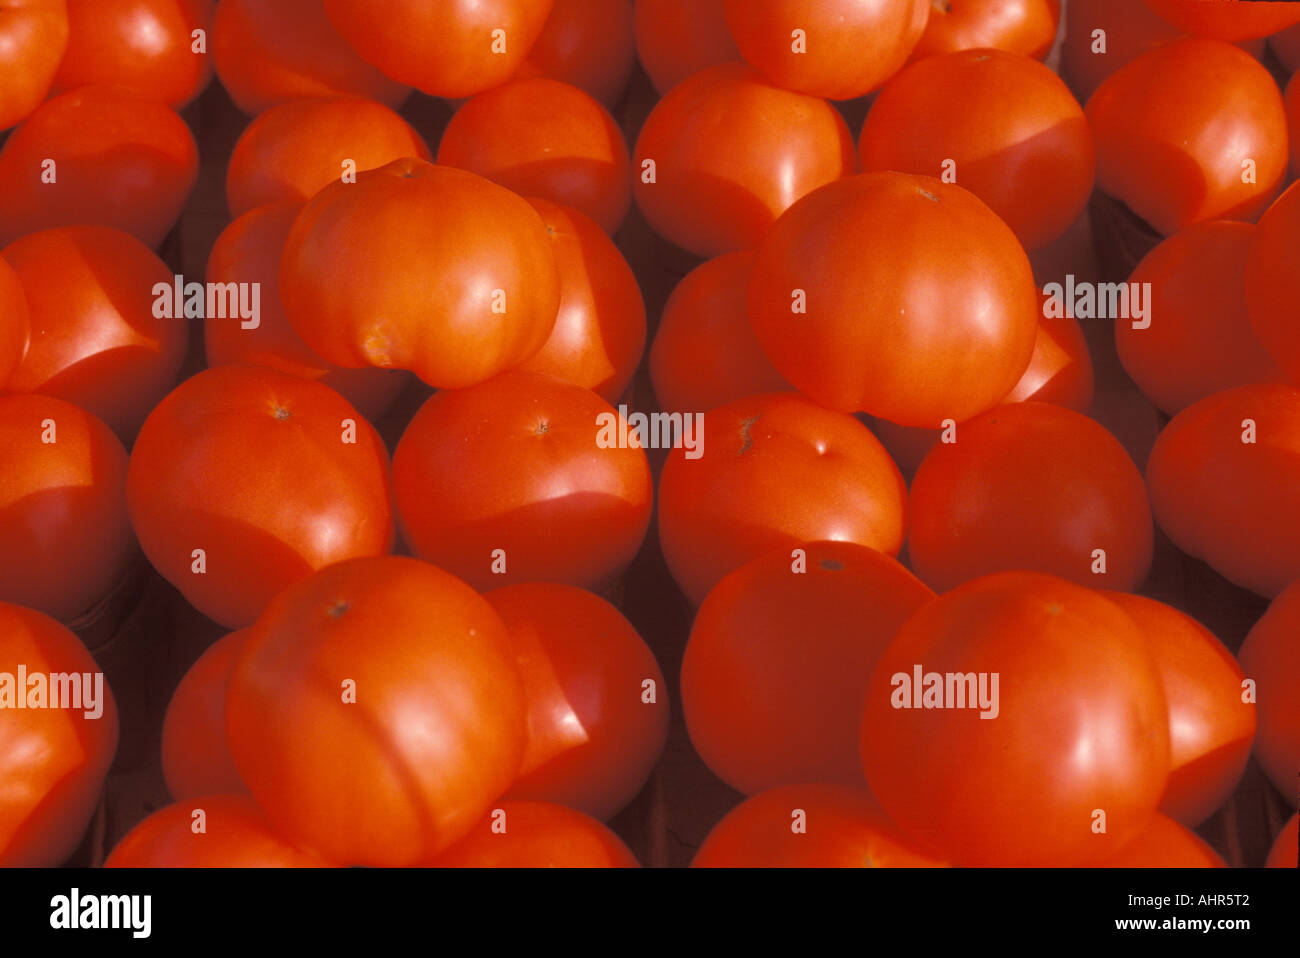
{"points": [[268, 52], [1227, 19], [15, 322], [1284, 853], [52, 760], [1030, 486], [809, 826], [778, 660], [678, 38], [537, 835], [271, 476], [541, 137], [1271, 656], [1273, 282], [1178, 148], [97, 340], [595, 730], [732, 500], [195, 757], [376, 712], [838, 49], [1224, 479], [589, 43], [120, 160], [731, 152], [421, 267], [1164, 843], [1027, 27], [1081, 726], [293, 150], [33, 38], [234, 833]]}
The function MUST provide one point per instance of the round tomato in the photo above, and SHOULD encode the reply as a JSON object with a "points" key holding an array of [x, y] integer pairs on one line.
{"points": [[1284, 853], [678, 38], [245, 479], [33, 38], [1273, 282], [1164, 843], [537, 835], [1271, 656], [15, 322], [1027, 27], [589, 43], [195, 757], [1227, 19]]}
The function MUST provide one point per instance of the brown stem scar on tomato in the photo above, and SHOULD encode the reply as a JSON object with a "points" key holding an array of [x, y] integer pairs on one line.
{"points": [[746, 439], [280, 412], [928, 195], [941, 6], [543, 428], [832, 565], [337, 610]]}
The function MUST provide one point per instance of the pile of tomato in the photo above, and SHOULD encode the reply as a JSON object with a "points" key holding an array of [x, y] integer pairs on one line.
{"points": [[919, 465]]}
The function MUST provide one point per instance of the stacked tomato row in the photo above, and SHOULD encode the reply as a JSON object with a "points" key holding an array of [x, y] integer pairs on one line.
{"points": [[425, 667]]}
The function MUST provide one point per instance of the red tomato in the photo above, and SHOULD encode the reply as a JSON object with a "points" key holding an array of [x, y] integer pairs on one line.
{"points": [[1271, 656], [1081, 724], [1164, 843], [375, 711], [809, 826], [33, 37], [541, 137], [454, 48], [97, 338], [1284, 853], [1224, 478], [421, 267], [484, 476], [678, 38], [120, 160], [293, 150], [735, 497], [1027, 27], [1286, 47], [537, 835], [589, 43], [271, 476], [731, 152], [1227, 19], [210, 831], [778, 660], [195, 757], [1177, 148], [1000, 124], [1273, 282], [839, 49], [15, 322], [268, 52], [52, 760], [595, 730], [895, 295]]}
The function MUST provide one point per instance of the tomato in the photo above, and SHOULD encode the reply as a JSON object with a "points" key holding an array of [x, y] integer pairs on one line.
{"points": [[145, 46], [1197, 338], [1224, 479], [15, 322], [1286, 47], [268, 52], [210, 831], [1284, 852], [1210, 728], [195, 758], [838, 49], [589, 43], [1030, 486], [1027, 27], [484, 476], [777, 664], [292, 150], [454, 48], [537, 835], [421, 267], [895, 295], [1193, 130], [1273, 282], [120, 160], [678, 38], [734, 498], [541, 137], [269, 475], [1164, 843], [1292, 103], [809, 826], [600, 329], [1081, 724], [97, 340], [730, 153], [248, 251], [33, 38], [1271, 656], [1227, 19], [704, 353], [1000, 124], [375, 711], [53, 761]]}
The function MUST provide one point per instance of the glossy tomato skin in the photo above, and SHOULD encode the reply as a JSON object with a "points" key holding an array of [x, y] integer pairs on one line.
{"points": [[1271, 656], [1176, 127], [1164, 843], [589, 43], [1073, 671], [918, 302], [270, 475], [33, 38], [731, 152], [1285, 847], [484, 476], [1232, 502], [678, 38], [235, 834], [97, 339], [52, 761], [542, 137], [778, 660], [195, 757], [121, 161], [1227, 20], [15, 322], [268, 52], [1273, 282], [1027, 27], [519, 834], [434, 733], [841, 827], [421, 267]]}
